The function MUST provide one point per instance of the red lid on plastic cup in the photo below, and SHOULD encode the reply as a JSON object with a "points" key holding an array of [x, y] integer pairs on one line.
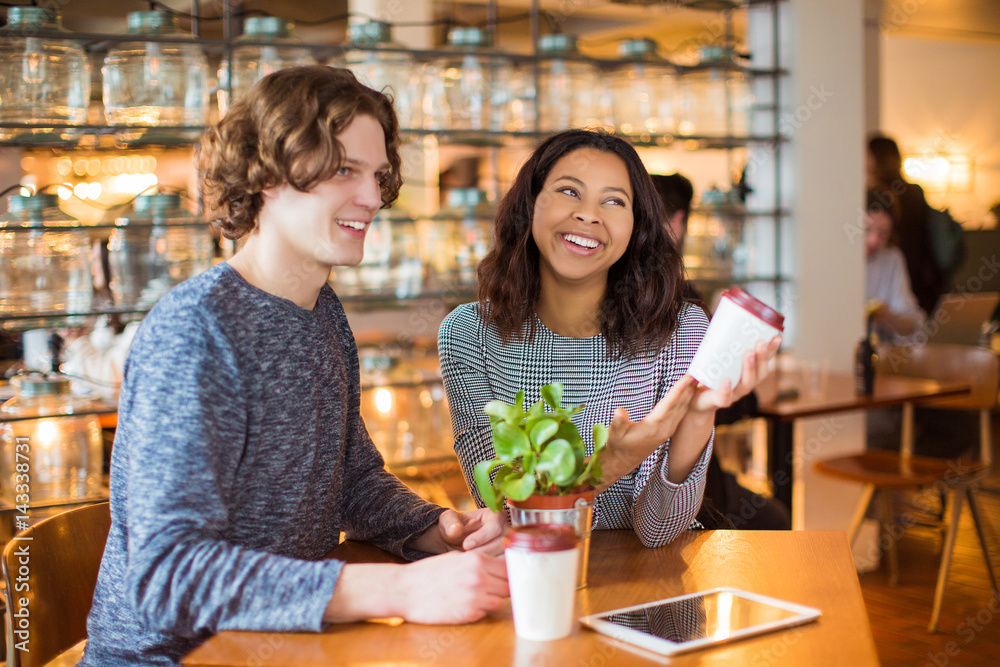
{"points": [[541, 537], [755, 307]]}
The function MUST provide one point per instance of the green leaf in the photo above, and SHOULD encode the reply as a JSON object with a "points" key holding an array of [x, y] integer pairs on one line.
{"points": [[592, 472], [552, 393], [501, 411], [518, 486], [543, 431], [600, 436], [519, 400], [537, 409], [510, 442], [528, 463], [496, 409], [481, 473], [559, 461]]}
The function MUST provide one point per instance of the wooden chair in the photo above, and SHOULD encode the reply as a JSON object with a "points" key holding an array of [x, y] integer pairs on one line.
{"points": [[58, 559], [886, 471]]}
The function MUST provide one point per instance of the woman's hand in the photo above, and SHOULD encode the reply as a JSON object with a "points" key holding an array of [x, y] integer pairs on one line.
{"points": [[695, 429], [756, 367], [629, 442]]}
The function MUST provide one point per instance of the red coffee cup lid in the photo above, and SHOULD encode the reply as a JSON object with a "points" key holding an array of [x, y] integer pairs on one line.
{"points": [[755, 307], [541, 537]]}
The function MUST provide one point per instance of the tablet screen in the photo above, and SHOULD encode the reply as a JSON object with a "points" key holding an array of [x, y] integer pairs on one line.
{"points": [[700, 619]]}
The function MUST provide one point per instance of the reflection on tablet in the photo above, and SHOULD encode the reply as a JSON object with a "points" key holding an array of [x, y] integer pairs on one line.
{"points": [[698, 620]]}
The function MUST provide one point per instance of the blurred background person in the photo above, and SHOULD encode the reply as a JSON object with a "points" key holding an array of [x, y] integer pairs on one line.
{"points": [[884, 165], [892, 307], [740, 506]]}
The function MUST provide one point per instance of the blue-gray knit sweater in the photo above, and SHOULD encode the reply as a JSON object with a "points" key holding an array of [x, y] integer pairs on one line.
{"points": [[240, 456]]}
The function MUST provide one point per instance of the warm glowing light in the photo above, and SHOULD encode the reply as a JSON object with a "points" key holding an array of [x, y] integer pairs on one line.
{"points": [[724, 616], [64, 192], [940, 172], [94, 190], [80, 190], [47, 434], [383, 400]]}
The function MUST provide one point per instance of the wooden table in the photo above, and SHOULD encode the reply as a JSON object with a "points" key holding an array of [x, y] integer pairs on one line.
{"points": [[840, 396], [810, 568]]}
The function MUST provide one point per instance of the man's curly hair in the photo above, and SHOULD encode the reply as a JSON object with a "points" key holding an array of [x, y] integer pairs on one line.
{"points": [[285, 131]]}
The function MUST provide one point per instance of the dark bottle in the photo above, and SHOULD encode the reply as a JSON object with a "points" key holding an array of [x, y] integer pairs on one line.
{"points": [[864, 367]]}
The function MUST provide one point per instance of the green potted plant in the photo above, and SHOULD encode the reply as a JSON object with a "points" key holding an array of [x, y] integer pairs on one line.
{"points": [[542, 468]]}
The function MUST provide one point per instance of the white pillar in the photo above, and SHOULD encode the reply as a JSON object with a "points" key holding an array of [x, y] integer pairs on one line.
{"points": [[826, 122]]}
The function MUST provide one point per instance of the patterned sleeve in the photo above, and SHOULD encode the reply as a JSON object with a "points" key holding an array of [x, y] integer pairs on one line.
{"points": [[463, 368], [662, 509]]}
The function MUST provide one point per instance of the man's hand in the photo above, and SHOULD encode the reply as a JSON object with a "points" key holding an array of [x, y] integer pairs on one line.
{"points": [[453, 588], [480, 529]]}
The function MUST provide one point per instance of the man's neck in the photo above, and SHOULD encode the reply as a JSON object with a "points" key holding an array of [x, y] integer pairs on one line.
{"points": [[263, 265]]}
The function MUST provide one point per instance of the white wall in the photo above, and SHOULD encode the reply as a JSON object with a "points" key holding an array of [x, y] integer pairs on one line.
{"points": [[939, 93]]}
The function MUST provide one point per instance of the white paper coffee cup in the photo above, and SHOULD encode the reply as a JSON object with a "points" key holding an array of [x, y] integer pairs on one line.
{"points": [[739, 323], [541, 571]]}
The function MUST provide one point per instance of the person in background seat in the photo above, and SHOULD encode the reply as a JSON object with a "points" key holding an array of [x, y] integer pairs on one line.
{"points": [[742, 507]]}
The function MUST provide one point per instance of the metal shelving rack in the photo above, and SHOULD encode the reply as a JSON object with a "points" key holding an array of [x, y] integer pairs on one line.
{"points": [[490, 141]]}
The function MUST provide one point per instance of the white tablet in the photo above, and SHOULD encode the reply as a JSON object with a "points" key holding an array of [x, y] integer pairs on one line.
{"points": [[698, 620]]}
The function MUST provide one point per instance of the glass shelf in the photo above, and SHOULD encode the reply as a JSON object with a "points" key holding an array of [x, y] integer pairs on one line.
{"points": [[56, 319], [186, 135]]}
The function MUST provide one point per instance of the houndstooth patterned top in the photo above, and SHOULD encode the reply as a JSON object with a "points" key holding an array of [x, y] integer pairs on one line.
{"points": [[478, 368]]}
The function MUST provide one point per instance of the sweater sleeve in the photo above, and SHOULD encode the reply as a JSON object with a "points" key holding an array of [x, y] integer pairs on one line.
{"points": [[378, 508], [184, 425], [662, 509], [467, 386]]}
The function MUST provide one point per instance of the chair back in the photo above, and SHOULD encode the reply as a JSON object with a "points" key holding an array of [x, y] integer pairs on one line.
{"points": [[947, 363], [53, 565]]}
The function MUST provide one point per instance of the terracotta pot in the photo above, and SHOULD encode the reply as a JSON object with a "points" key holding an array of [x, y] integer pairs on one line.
{"points": [[552, 502]]}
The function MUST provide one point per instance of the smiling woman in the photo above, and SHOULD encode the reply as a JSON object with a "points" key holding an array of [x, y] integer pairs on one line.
{"points": [[583, 287]]}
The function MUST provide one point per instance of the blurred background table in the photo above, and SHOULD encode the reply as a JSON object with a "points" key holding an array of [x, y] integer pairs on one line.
{"points": [[839, 395], [809, 568]]}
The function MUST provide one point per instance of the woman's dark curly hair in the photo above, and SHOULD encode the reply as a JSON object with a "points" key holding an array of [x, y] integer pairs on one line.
{"points": [[285, 131], [644, 292]]}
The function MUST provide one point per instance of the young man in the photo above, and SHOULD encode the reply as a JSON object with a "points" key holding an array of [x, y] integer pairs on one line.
{"points": [[240, 454]]}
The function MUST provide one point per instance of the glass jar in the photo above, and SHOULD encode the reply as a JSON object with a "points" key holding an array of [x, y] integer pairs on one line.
{"points": [[713, 247], [268, 44], [156, 246], [715, 98], [457, 238], [644, 86], [370, 56], [570, 91], [60, 456], [44, 260], [469, 88], [42, 80], [155, 83], [391, 264]]}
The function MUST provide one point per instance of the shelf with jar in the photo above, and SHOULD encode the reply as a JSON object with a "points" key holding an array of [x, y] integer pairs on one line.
{"points": [[156, 86], [530, 105]]}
